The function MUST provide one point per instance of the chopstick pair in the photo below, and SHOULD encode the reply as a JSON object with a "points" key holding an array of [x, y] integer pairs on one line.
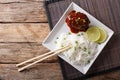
{"points": [[41, 57]]}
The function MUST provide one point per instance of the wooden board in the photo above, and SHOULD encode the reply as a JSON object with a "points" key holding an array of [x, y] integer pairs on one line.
{"points": [[23, 27], [19, 42], [22, 11], [23, 32], [38, 72]]}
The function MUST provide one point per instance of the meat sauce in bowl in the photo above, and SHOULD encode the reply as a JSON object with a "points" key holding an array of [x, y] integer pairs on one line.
{"points": [[77, 21]]}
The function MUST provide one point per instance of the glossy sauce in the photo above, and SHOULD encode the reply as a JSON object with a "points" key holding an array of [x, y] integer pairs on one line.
{"points": [[77, 21]]}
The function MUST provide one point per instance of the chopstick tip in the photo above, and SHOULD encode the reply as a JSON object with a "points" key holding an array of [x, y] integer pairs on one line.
{"points": [[20, 70], [17, 65]]}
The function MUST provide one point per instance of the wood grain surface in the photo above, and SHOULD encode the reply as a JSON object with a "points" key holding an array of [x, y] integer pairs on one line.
{"points": [[23, 27], [22, 11]]}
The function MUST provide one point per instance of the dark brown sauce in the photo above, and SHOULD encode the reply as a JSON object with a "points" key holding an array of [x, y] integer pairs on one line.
{"points": [[77, 21]]}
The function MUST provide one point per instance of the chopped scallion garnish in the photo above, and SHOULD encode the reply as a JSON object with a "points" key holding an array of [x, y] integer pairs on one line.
{"points": [[69, 33], [75, 48], [81, 33], [88, 61], [76, 42], [89, 52], [84, 49], [55, 42], [78, 35]]}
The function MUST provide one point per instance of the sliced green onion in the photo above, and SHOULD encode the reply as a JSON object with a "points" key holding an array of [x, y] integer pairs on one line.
{"points": [[69, 33], [89, 52], [55, 42], [84, 49], [88, 61], [75, 48], [76, 42], [78, 35]]}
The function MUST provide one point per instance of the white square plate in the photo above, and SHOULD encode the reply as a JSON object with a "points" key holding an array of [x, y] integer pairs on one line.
{"points": [[61, 27]]}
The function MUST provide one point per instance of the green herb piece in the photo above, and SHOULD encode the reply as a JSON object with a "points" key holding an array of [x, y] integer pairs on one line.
{"points": [[84, 49], [75, 48], [69, 33], [81, 33], [76, 42], [55, 42], [89, 52], [78, 35], [77, 20], [88, 61]]}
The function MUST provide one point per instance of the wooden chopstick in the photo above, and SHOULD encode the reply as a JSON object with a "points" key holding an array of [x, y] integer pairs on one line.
{"points": [[50, 55], [29, 60]]}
